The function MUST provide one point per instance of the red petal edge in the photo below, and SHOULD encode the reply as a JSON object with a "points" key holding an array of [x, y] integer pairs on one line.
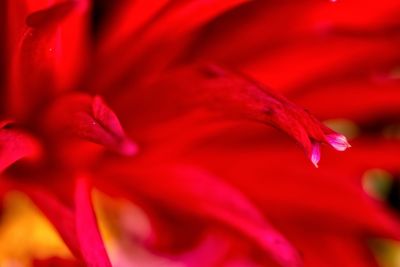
{"points": [[91, 243], [15, 145], [88, 118]]}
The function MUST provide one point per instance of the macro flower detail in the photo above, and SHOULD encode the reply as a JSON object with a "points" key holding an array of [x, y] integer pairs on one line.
{"points": [[89, 118], [77, 224], [339, 142], [180, 133], [15, 145]]}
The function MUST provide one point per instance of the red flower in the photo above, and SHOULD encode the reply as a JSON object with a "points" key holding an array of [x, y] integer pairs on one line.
{"points": [[164, 104]]}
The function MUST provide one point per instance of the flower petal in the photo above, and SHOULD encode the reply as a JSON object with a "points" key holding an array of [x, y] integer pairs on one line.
{"points": [[260, 171], [222, 94], [3, 54], [196, 192], [15, 145], [375, 99], [91, 119], [76, 224], [338, 141], [155, 36], [90, 241], [59, 214], [315, 154], [318, 35], [42, 63], [47, 17]]}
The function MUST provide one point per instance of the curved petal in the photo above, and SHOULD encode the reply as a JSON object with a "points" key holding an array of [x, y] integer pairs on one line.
{"points": [[375, 100], [196, 192], [90, 241], [225, 95], [260, 169], [158, 31], [89, 118], [77, 225], [314, 25], [15, 145], [59, 214], [43, 63]]}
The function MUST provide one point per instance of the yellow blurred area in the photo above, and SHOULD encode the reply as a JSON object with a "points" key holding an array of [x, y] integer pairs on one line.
{"points": [[125, 227], [387, 252], [25, 234], [377, 183], [118, 218]]}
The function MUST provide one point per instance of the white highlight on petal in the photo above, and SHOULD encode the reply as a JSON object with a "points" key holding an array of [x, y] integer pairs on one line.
{"points": [[315, 154], [338, 141]]}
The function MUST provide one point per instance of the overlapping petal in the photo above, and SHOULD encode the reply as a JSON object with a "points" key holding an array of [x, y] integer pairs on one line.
{"points": [[227, 95], [152, 41], [198, 193], [46, 52], [76, 224], [207, 162], [88, 118], [15, 145]]}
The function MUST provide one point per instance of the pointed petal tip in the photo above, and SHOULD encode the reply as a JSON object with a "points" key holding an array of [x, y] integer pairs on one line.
{"points": [[315, 155], [97, 101], [128, 148], [338, 142]]}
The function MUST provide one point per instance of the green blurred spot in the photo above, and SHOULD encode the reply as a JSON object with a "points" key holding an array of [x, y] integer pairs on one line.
{"points": [[343, 126], [377, 183]]}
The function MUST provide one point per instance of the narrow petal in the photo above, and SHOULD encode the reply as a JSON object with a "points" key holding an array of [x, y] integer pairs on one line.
{"points": [[76, 224], [91, 119], [152, 36], [108, 120], [338, 142], [47, 54], [59, 214], [196, 192], [319, 37], [375, 99], [315, 154], [3, 54], [91, 243], [15, 145], [223, 94], [291, 193]]}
